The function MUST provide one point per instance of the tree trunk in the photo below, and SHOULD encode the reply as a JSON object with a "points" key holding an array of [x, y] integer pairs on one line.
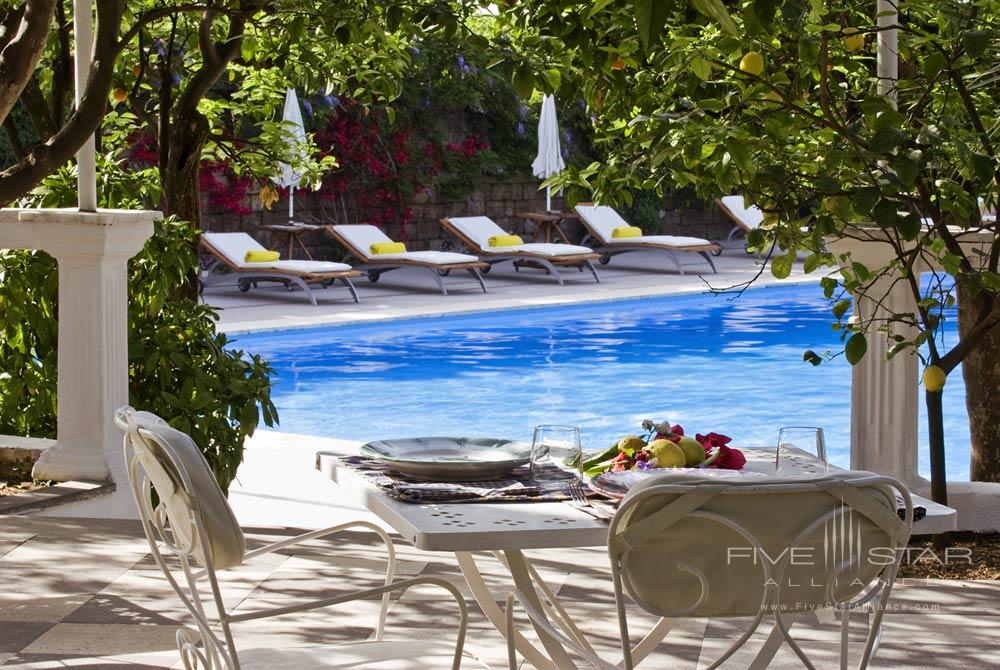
{"points": [[935, 429], [180, 181], [981, 371]]}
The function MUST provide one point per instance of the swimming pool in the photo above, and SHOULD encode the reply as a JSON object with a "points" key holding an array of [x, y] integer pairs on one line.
{"points": [[708, 362]]}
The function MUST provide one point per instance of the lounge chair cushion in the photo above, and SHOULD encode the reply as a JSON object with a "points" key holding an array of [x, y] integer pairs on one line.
{"points": [[301, 267], [603, 220], [362, 237], [234, 247], [747, 218], [479, 229]]}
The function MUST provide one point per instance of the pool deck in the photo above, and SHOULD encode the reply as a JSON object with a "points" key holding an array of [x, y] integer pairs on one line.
{"points": [[411, 292]]}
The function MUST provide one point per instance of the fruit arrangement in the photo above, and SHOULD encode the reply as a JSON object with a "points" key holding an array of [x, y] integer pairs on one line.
{"points": [[665, 446]]}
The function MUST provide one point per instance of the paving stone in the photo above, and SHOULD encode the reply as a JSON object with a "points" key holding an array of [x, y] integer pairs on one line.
{"points": [[85, 639], [21, 607], [16, 635]]}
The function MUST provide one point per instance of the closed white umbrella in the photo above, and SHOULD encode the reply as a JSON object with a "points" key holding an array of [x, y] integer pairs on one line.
{"points": [[549, 160], [287, 176]]}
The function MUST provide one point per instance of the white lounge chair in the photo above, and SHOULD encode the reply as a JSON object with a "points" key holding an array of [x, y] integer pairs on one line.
{"points": [[601, 221], [193, 535], [745, 218], [229, 251], [746, 550], [358, 240], [475, 233]]}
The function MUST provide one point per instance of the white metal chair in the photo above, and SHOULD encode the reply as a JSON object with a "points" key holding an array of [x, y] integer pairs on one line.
{"points": [[193, 533], [751, 548]]}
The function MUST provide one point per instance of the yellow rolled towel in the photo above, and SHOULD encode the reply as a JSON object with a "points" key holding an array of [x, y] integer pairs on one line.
{"points": [[506, 241], [261, 256], [387, 248], [627, 231]]}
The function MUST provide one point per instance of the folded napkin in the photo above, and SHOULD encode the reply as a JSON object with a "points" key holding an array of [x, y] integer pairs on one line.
{"points": [[387, 248], [261, 256], [548, 484], [626, 231], [506, 241]]}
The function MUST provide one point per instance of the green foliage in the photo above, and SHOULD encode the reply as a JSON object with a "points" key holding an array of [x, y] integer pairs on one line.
{"points": [[180, 367], [812, 139]]}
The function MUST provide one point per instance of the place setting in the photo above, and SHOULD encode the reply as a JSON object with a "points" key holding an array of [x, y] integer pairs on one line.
{"points": [[553, 467]]}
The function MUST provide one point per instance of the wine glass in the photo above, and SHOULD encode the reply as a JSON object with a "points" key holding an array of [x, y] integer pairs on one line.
{"points": [[809, 439], [560, 444]]}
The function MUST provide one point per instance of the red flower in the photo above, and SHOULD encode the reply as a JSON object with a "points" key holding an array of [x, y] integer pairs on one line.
{"points": [[729, 458], [715, 439]]}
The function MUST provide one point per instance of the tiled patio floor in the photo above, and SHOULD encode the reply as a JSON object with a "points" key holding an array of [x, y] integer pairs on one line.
{"points": [[76, 592]]}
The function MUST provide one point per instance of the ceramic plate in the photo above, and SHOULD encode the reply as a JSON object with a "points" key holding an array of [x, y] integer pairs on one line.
{"points": [[450, 459]]}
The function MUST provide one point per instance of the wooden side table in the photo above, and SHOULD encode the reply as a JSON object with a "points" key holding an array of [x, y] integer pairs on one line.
{"points": [[548, 223], [294, 232]]}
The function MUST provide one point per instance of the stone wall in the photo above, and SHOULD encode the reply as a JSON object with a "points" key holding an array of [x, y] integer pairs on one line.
{"points": [[501, 201]]}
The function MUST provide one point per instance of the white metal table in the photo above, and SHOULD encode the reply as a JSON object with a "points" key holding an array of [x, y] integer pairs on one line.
{"points": [[507, 529]]}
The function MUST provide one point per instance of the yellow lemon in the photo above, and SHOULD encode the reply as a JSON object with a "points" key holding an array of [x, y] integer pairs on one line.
{"points": [[667, 454], [752, 63], [853, 40], [934, 378], [631, 443], [694, 453]]}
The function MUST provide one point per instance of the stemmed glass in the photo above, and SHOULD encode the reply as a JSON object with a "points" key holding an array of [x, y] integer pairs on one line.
{"points": [[560, 444], [804, 438]]}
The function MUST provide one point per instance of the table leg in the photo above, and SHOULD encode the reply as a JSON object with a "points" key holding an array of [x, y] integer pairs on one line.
{"points": [[488, 603], [520, 570], [305, 249], [560, 231]]}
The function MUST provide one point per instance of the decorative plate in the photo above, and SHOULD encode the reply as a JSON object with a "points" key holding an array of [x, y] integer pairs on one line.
{"points": [[450, 459]]}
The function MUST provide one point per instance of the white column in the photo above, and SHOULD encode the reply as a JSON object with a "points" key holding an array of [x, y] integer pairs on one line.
{"points": [[86, 159], [92, 251], [884, 393], [887, 65]]}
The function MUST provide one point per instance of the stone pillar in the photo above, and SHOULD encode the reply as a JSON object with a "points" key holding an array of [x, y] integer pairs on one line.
{"points": [[92, 250], [884, 393]]}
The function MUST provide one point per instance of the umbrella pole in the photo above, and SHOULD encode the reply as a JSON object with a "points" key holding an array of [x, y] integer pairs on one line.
{"points": [[291, 203], [548, 198]]}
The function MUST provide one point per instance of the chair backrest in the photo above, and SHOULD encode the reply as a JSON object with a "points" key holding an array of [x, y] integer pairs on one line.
{"points": [[601, 220], [360, 238], [684, 546], [232, 246], [188, 498], [477, 229], [186, 519], [746, 217]]}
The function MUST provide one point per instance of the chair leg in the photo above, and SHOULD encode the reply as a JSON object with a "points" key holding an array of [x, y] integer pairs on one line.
{"points": [[298, 281], [479, 278], [552, 270], [593, 271], [708, 257], [350, 287], [677, 261], [438, 279]]}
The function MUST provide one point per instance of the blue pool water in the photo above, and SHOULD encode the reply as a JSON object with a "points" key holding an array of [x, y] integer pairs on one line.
{"points": [[708, 362]]}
